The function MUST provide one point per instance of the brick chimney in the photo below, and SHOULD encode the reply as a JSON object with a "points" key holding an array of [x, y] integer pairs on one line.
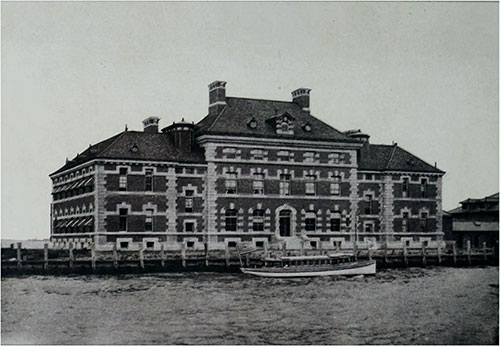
{"points": [[216, 97], [151, 124], [301, 97]]}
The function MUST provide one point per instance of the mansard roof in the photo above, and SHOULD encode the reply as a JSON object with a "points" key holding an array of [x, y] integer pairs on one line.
{"points": [[135, 145], [380, 157], [234, 120]]}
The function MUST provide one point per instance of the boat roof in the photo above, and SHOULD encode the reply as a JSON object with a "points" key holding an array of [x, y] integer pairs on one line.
{"points": [[340, 254], [304, 258]]}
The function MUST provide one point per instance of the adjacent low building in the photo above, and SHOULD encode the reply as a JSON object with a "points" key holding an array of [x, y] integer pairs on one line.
{"points": [[252, 170], [474, 221]]}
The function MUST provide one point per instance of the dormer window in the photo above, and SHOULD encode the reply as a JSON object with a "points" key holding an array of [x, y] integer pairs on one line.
{"points": [[307, 127], [283, 123], [134, 148]]}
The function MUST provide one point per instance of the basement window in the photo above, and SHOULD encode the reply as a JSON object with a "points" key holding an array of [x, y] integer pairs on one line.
{"points": [[150, 244], [124, 245]]}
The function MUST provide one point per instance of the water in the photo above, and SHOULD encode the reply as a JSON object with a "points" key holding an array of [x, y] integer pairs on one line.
{"points": [[413, 306]]}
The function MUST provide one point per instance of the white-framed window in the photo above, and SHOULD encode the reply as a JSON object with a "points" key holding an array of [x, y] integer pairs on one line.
{"points": [[123, 179], [423, 221], [148, 224], [334, 158], [189, 226], [229, 153], [285, 184], [123, 220], [310, 221], [404, 222], [231, 182], [406, 187], [335, 224], [257, 154], [258, 220], [148, 179], [311, 184], [309, 156], [284, 155], [335, 186], [423, 187], [231, 220], [369, 205], [258, 183], [188, 206], [368, 227]]}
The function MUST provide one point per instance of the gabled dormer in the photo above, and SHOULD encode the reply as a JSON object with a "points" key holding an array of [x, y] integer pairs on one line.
{"points": [[283, 123]]}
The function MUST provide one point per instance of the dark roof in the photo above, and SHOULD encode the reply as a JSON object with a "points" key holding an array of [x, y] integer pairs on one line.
{"points": [[488, 204], [380, 157], [234, 119], [150, 146]]}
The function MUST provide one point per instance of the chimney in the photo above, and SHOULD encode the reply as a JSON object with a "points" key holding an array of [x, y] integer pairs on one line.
{"points": [[151, 124], [216, 97], [301, 97]]}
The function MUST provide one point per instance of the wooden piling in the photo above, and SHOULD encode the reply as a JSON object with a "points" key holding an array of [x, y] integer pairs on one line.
{"points": [[162, 255], [302, 246], [469, 253], [226, 253], [320, 247], [115, 256], [265, 250], [71, 257], [369, 253], [45, 256], [183, 255], [19, 259], [454, 253], [93, 256], [424, 259], [283, 245], [354, 248], [206, 254], [405, 254], [485, 256], [439, 253], [141, 255], [385, 253]]}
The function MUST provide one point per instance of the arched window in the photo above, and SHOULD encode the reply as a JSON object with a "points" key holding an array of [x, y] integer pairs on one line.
{"points": [[231, 220], [284, 223]]}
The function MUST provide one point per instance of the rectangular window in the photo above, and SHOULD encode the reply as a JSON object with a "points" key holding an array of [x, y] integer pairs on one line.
{"points": [[148, 180], [285, 184], [310, 222], [368, 176], [188, 207], [283, 155], [335, 186], [404, 222], [423, 187], [310, 184], [257, 154], [123, 179], [123, 220], [231, 182], [258, 184], [148, 225], [189, 227], [124, 245], [335, 224], [309, 156], [369, 206], [258, 220], [406, 187], [423, 221], [334, 158], [231, 220], [368, 227], [229, 153], [150, 244]]}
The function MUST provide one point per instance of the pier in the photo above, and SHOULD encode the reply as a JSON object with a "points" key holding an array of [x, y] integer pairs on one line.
{"points": [[20, 261]]}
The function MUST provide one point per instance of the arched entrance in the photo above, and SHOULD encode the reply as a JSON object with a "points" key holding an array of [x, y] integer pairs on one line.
{"points": [[285, 221]]}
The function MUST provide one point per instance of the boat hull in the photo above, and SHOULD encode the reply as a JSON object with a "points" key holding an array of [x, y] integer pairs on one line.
{"points": [[366, 268]]}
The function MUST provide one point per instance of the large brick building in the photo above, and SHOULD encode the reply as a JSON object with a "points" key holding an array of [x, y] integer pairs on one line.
{"points": [[252, 170]]}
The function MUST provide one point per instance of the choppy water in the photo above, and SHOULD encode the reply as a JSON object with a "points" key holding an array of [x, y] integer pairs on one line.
{"points": [[413, 306]]}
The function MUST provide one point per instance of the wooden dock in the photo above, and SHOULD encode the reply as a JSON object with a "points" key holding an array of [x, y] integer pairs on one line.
{"points": [[21, 261]]}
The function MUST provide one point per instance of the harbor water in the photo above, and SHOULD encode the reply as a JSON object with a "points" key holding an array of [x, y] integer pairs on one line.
{"points": [[438, 305]]}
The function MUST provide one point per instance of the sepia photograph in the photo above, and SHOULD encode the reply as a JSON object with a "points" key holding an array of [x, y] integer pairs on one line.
{"points": [[249, 173]]}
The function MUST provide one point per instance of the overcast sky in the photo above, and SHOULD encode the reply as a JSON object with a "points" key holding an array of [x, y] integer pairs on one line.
{"points": [[424, 75]]}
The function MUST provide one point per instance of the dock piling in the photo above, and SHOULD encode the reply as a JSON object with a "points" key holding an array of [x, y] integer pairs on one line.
{"points": [[71, 257], [369, 253], [45, 256], [226, 253], [439, 253], [265, 250], [424, 259], [206, 253], [162, 255], [115, 256], [141, 255], [485, 256], [19, 259], [93, 256], [469, 253], [454, 253], [183, 255], [405, 254]]}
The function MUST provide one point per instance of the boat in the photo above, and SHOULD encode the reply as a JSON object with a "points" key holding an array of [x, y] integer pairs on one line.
{"points": [[339, 263]]}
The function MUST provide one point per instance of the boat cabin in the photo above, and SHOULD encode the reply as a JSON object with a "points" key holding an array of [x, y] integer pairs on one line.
{"points": [[309, 260]]}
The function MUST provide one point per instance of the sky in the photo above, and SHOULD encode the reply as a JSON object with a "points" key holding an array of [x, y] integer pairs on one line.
{"points": [[424, 75]]}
